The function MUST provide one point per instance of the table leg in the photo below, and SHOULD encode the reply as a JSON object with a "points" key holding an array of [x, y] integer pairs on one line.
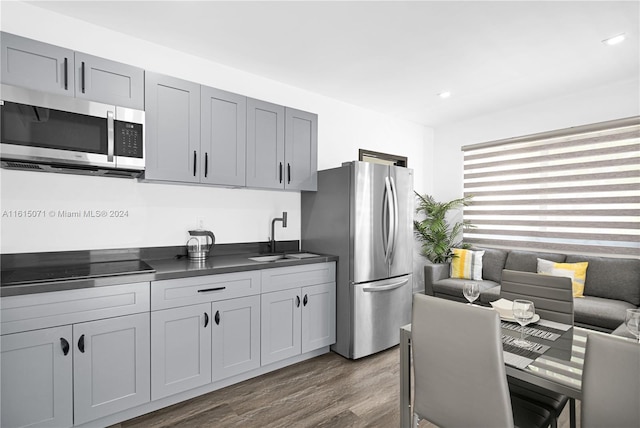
{"points": [[572, 412], [405, 379]]}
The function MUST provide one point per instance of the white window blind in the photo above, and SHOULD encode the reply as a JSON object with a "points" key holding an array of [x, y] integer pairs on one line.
{"points": [[574, 190]]}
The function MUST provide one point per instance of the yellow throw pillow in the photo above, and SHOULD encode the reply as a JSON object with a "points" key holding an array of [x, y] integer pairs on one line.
{"points": [[466, 264], [576, 271]]}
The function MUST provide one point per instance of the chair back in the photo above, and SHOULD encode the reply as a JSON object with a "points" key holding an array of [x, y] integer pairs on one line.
{"points": [[551, 295], [610, 382], [459, 372]]}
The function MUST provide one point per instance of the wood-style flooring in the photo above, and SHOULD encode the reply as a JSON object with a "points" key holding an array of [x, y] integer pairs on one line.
{"points": [[326, 391]]}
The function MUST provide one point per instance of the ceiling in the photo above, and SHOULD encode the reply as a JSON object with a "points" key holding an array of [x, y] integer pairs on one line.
{"points": [[395, 57]]}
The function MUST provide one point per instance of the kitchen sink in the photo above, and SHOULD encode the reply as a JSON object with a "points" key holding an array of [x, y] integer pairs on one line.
{"points": [[275, 257], [271, 258]]}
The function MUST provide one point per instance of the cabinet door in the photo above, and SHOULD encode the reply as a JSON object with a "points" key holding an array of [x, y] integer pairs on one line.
{"points": [[37, 378], [265, 144], [280, 314], [180, 349], [109, 82], [318, 316], [172, 127], [223, 139], [301, 150], [236, 336], [36, 65], [110, 366]]}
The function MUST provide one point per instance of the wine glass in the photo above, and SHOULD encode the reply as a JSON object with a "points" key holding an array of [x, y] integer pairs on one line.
{"points": [[633, 322], [471, 291], [523, 312]]}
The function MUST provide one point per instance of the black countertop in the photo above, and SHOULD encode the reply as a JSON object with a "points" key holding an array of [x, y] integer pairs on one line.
{"points": [[44, 272]]}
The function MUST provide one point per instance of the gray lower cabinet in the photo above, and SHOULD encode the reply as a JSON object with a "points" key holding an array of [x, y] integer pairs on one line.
{"points": [[35, 65], [282, 147], [61, 376], [180, 349], [172, 126], [281, 325], [37, 372], [71, 357], [111, 360], [297, 310], [236, 336]]}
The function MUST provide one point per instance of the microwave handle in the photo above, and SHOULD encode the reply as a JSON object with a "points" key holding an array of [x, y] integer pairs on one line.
{"points": [[110, 137]]}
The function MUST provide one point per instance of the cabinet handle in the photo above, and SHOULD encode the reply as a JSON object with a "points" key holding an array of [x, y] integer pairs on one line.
{"points": [[280, 172], [195, 158], [305, 300], [206, 320], [288, 173], [217, 318], [65, 345], [81, 344], [206, 164], [66, 74], [211, 289], [83, 77], [297, 301]]}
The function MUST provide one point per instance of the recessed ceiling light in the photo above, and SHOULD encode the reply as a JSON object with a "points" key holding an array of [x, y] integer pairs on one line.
{"points": [[614, 40], [446, 94]]}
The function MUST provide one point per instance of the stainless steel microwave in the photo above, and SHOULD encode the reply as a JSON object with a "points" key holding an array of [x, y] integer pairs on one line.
{"points": [[56, 133]]}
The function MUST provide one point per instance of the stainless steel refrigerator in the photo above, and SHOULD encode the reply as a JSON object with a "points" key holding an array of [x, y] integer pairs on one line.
{"points": [[362, 212]]}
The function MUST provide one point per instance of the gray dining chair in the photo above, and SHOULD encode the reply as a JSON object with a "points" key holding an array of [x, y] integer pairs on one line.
{"points": [[610, 382], [459, 372], [552, 297]]}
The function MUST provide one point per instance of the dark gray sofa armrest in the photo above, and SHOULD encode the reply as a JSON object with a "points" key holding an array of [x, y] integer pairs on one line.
{"points": [[434, 273]]}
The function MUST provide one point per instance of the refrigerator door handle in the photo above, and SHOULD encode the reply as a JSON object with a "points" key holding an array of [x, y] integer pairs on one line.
{"points": [[390, 207], [394, 230], [386, 287]]}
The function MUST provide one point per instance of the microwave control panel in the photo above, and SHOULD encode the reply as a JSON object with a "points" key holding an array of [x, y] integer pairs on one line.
{"points": [[128, 139]]}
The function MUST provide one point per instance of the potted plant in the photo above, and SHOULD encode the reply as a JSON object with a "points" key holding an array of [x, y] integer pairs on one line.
{"points": [[438, 237]]}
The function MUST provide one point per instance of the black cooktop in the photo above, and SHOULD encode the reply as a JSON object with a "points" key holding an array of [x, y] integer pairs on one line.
{"points": [[39, 274]]}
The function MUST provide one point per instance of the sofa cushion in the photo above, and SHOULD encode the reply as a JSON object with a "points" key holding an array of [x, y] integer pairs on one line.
{"points": [[492, 263], [453, 287], [577, 272], [596, 311], [490, 295], [466, 264], [527, 261], [611, 278]]}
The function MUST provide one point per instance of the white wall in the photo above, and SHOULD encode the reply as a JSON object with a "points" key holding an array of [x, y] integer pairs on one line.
{"points": [[614, 101], [161, 214]]}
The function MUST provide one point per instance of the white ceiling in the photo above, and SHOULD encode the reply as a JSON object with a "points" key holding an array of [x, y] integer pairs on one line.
{"points": [[395, 56]]}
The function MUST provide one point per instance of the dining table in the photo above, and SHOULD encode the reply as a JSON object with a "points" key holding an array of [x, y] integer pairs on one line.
{"points": [[554, 361]]}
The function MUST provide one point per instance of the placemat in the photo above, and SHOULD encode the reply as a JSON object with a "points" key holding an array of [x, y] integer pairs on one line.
{"points": [[539, 331]]}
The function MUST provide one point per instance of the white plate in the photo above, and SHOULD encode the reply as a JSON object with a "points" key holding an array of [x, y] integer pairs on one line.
{"points": [[535, 319]]}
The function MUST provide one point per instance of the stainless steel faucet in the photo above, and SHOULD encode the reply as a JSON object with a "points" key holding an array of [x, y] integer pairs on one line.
{"points": [[283, 219]]}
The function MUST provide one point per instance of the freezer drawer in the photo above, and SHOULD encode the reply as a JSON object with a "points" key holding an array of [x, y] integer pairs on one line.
{"points": [[380, 309]]}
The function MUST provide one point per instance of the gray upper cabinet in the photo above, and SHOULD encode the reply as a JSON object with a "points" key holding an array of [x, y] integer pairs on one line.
{"points": [[222, 137], [282, 147], [109, 82], [172, 126], [36, 65], [44, 67], [301, 150], [265, 144]]}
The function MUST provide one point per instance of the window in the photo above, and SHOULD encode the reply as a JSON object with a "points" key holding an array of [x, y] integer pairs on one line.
{"points": [[383, 158], [575, 190]]}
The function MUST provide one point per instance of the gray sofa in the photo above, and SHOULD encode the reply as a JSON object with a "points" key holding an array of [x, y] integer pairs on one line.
{"points": [[612, 284]]}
